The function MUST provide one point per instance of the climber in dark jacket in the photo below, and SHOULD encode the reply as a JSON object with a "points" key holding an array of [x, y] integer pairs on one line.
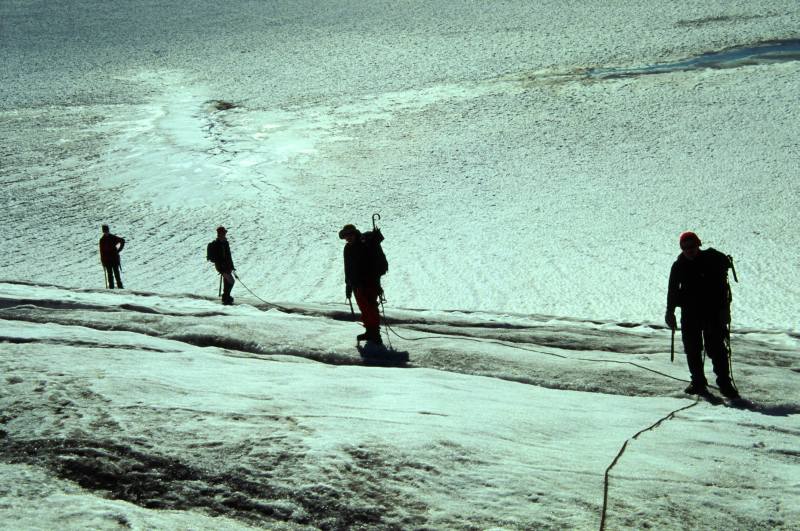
{"points": [[698, 284], [110, 247], [219, 252], [362, 280]]}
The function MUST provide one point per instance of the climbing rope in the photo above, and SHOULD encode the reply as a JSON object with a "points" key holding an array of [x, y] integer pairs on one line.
{"points": [[622, 450], [269, 304], [390, 330], [510, 345], [729, 353], [606, 476], [625, 444]]}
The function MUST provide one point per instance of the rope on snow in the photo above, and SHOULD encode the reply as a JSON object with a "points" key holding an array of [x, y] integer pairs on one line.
{"points": [[622, 450]]}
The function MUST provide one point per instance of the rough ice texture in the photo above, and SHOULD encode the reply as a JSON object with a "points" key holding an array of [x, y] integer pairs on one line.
{"points": [[506, 181], [151, 411], [521, 200]]}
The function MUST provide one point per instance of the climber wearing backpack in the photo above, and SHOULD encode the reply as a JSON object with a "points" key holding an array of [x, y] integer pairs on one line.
{"points": [[219, 252], [110, 247], [698, 283], [364, 264]]}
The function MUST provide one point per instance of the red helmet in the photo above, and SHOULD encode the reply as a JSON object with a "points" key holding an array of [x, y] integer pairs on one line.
{"points": [[689, 236]]}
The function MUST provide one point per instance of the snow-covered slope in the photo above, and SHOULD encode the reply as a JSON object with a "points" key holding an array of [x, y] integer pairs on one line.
{"points": [[507, 180], [117, 411], [531, 210]]}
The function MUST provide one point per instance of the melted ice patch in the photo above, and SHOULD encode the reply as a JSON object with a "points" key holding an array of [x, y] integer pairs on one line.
{"points": [[182, 149]]}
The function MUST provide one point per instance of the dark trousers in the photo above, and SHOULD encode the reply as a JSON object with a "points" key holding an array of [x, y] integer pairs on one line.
{"points": [[227, 285], [112, 271], [697, 331]]}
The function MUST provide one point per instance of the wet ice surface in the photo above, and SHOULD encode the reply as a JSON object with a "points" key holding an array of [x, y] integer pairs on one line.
{"points": [[504, 185], [765, 53], [111, 410]]}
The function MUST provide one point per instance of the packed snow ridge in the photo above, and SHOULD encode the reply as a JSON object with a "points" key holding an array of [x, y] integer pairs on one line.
{"points": [[159, 410]]}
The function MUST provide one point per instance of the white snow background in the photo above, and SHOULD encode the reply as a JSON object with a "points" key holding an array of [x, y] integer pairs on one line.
{"points": [[531, 213]]}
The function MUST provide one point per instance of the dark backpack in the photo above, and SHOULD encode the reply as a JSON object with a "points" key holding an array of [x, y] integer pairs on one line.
{"points": [[376, 259], [726, 263], [735, 278], [212, 251]]}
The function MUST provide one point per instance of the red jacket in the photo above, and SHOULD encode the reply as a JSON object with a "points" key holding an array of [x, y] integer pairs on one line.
{"points": [[109, 252]]}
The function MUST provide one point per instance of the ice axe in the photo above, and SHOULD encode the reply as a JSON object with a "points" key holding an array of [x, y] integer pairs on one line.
{"points": [[381, 296], [733, 269], [672, 347]]}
